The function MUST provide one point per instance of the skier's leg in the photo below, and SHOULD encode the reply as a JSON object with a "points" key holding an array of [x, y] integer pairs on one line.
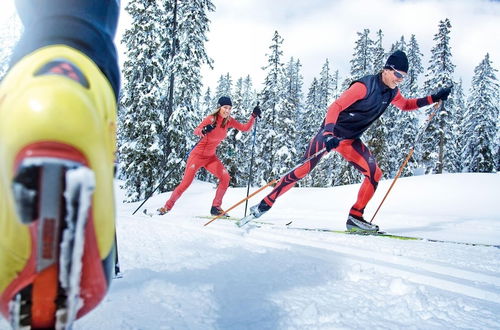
{"points": [[356, 153], [57, 144], [192, 166], [216, 167], [288, 181]]}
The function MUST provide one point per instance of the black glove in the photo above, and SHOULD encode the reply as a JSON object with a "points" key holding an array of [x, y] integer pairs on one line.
{"points": [[256, 112], [207, 129], [442, 94], [331, 142]]}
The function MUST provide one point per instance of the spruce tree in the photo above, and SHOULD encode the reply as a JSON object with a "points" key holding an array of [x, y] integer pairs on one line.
{"points": [[403, 125], [188, 32], [480, 150], [244, 100], [439, 135], [322, 175], [140, 117], [162, 90], [289, 122], [272, 100]]}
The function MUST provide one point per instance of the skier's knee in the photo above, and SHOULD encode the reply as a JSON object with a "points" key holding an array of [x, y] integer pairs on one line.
{"points": [[225, 178]]}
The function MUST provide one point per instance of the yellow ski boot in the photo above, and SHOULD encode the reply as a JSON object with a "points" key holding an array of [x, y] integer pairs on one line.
{"points": [[57, 144]]}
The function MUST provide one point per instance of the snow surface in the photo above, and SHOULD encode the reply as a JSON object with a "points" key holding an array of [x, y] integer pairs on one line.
{"points": [[179, 274]]}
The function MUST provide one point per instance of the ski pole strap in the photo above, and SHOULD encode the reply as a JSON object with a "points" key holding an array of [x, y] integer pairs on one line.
{"points": [[244, 199]]}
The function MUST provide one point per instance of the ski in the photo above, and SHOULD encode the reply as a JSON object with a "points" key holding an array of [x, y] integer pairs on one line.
{"points": [[389, 235], [211, 217]]}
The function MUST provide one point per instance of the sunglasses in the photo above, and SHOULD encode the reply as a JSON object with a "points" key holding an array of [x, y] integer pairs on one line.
{"points": [[397, 74]]}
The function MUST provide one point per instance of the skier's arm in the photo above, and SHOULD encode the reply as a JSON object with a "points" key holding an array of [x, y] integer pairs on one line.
{"points": [[410, 104], [242, 127], [354, 93], [207, 121]]}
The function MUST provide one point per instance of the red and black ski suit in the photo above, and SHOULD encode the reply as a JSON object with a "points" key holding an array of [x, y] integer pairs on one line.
{"points": [[203, 155], [347, 118]]}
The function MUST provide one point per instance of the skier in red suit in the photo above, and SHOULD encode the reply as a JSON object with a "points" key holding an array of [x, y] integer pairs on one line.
{"points": [[213, 130], [346, 120]]}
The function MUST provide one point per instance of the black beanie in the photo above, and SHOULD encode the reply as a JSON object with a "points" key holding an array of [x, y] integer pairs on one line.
{"points": [[398, 61], [224, 100]]}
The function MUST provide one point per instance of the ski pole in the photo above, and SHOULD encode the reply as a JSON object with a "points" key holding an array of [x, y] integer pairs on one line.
{"points": [[266, 185], [251, 164], [437, 107], [163, 180]]}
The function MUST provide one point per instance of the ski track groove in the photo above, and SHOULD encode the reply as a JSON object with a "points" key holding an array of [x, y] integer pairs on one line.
{"points": [[468, 283]]}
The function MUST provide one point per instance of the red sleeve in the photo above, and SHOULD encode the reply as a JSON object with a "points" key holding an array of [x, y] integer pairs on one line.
{"points": [[410, 104], [207, 121], [354, 93], [242, 127]]}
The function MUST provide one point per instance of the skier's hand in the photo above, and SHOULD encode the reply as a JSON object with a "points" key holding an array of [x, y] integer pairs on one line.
{"points": [[442, 94], [256, 112], [331, 142], [207, 129]]}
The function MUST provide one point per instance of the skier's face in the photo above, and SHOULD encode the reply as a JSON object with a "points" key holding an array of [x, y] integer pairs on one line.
{"points": [[225, 111], [392, 78]]}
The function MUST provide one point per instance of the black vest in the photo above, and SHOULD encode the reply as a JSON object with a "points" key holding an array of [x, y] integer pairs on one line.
{"points": [[354, 120]]}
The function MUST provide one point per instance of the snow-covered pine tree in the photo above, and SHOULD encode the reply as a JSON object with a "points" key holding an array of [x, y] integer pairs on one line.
{"points": [[323, 174], [480, 150], [362, 58], [402, 125], [408, 120], [140, 116], [379, 55], [244, 100], [189, 34], [439, 135], [458, 127], [377, 137], [361, 65], [271, 99], [310, 119], [165, 50], [289, 123]]}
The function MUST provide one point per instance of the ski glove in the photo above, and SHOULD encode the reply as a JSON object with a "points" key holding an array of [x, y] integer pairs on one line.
{"points": [[329, 138], [442, 94], [256, 112], [331, 142], [207, 129]]}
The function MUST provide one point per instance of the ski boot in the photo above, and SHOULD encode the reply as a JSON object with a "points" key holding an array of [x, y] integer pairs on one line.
{"points": [[216, 210], [255, 212], [358, 224], [162, 211], [57, 144]]}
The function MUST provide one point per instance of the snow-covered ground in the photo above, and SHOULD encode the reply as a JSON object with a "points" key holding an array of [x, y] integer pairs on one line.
{"points": [[179, 274]]}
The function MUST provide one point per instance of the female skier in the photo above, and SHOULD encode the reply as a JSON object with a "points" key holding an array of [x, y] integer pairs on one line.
{"points": [[213, 130]]}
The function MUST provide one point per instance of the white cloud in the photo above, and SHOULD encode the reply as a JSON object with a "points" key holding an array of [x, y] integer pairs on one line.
{"points": [[241, 32]]}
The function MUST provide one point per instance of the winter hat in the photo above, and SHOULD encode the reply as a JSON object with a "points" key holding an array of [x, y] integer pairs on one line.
{"points": [[224, 100], [398, 61]]}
